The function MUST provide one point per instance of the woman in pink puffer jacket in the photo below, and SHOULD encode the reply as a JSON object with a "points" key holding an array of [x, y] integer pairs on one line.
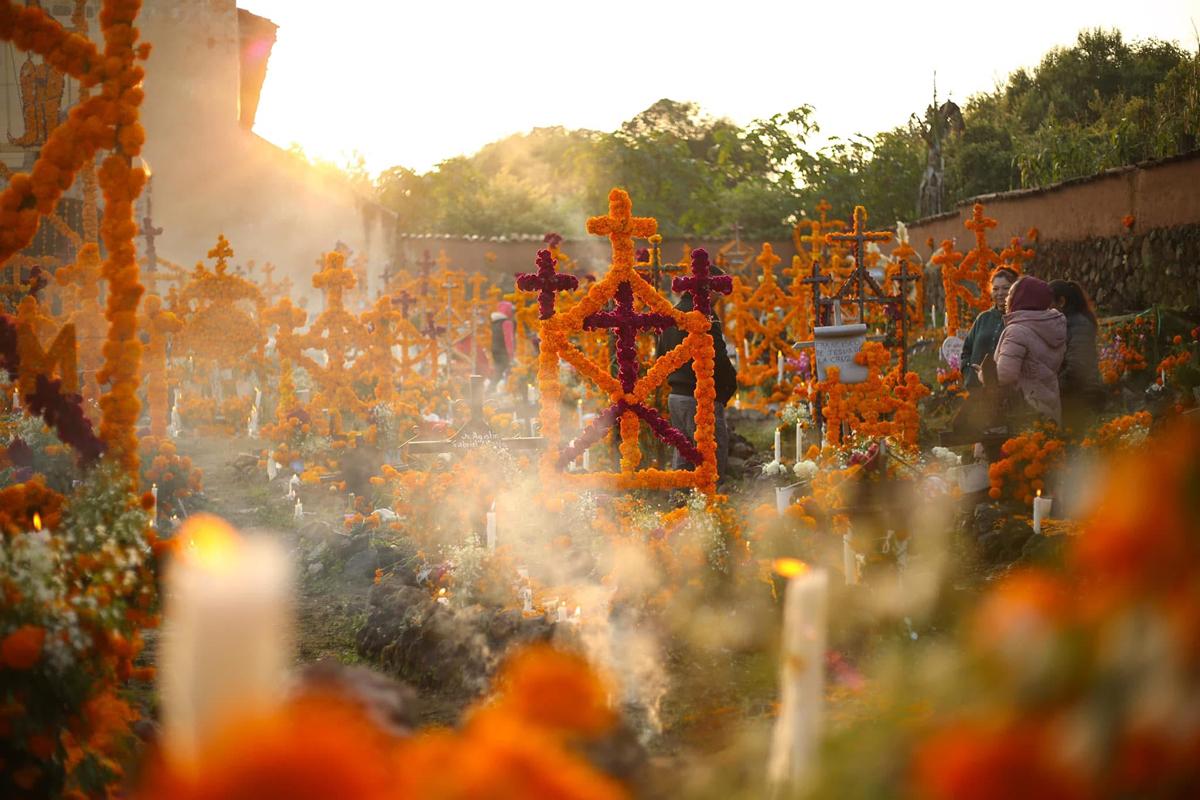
{"points": [[1032, 346]]}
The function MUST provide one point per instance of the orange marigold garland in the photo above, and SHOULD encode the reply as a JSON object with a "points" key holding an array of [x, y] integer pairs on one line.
{"points": [[1028, 458], [628, 394]]}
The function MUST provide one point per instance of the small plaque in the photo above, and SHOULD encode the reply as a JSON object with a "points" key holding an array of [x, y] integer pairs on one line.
{"points": [[952, 351], [836, 346]]}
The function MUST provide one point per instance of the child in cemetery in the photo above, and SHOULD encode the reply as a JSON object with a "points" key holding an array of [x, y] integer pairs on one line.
{"points": [[1031, 350], [682, 399], [1079, 382], [981, 341]]}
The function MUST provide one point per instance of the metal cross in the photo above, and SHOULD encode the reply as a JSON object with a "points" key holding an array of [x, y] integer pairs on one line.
{"points": [[857, 238]]}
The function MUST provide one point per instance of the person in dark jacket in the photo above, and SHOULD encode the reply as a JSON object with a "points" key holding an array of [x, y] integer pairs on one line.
{"points": [[1080, 386], [981, 341], [682, 400]]}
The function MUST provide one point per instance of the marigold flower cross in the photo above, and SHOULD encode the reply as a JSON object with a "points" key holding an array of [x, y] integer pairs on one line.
{"points": [[700, 284], [546, 282], [621, 227]]}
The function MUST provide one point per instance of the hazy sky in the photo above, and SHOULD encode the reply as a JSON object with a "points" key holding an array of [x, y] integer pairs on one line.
{"points": [[412, 83]]}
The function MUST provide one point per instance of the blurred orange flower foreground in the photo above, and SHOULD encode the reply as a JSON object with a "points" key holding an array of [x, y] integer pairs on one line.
{"points": [[1090, 679], [516, 744]]}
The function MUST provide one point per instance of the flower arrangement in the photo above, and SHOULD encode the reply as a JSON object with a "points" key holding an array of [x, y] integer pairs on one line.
{"points": [[1121, 434], [626, 393], [79, 585], [1122, 348], [884, 405], [174, 475], [958, 274], [1028, 459]]}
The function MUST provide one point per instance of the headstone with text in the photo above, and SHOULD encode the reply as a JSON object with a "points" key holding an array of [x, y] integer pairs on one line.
{"points": [[836, 346]]}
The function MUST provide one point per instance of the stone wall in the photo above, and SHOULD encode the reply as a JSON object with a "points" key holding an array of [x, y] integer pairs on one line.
{"points": [[1082, 232], [1131, 272]]}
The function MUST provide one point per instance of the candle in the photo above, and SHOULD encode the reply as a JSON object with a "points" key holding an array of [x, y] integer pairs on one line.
{"points": [[257, 397], [1041, 510], [226, 642], [799, 442], [802, 673], [298, 511], [778, 444], [491, 529], [587, 460], [849, 560], [579, 411], [562, 611], [779, 366], [531, 394], [154, 510], [272, 468], [783, 498], [526, 599], [746, 348], [16, 400], [933, 316]]}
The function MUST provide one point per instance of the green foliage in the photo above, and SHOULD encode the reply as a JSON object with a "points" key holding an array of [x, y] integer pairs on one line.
{"points": [[1098, 104]]}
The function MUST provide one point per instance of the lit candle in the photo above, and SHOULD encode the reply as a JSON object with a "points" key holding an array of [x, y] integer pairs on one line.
{"points": [[154, 510], [779, 366], [778, 444], [849, 560], [579, 411], [16, 400], [226, 642], [530, 394], [802, 672], [1041, 510], [746, 348], [491, 528], [799, 442]]}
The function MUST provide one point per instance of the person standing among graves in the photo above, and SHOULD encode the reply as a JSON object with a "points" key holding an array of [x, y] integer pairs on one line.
{"points": [[503, 339], [981, 341], [682, 400], [1079, 382], [1032, 346]]}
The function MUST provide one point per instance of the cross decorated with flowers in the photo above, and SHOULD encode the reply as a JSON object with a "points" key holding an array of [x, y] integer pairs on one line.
{"points": [[621, 227], [858, 237], [546, 282], [627, 322], [701, 283]]}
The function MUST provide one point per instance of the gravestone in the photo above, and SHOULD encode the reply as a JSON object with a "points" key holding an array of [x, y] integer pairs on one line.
{"points": [[952, 351], [836, 346]]}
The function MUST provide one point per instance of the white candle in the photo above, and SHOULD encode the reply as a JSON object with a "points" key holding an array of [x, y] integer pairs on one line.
{"points": [[746, 348], [298, 511], [257, 397], [579, 411], [531, 394], [491, 529], [849, 560], [778, 444], [779, 366], [933, 316], [272, 468], [1041, 510], [802, 677], [16, 400], [783, 498], [154, 510], [799, 442], [587, 460], [226, 642]]}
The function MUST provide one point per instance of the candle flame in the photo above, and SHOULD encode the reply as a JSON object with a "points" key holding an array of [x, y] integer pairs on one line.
{"points": [[1039, 493], [210, 542], [146, 168], [789, 567], [37, 521], [442, 592]]}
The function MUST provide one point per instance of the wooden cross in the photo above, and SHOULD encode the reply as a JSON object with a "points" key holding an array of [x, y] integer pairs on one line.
{"points": [[627, 322], [857, 238], [546, 282], [475, 432], [405, 301], [620, 226], [700, 285]]}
